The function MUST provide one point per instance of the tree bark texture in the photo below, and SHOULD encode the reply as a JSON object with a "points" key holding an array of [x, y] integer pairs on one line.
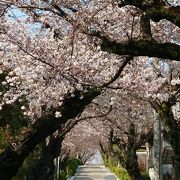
{"points": [[45, 168], [132, 166], [172, 128]]}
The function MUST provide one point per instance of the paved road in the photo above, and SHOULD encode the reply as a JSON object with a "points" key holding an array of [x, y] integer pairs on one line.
{"points": [[93, 172]]}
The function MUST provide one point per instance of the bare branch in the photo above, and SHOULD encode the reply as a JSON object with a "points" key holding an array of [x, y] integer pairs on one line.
{"points": [[118, 73]]}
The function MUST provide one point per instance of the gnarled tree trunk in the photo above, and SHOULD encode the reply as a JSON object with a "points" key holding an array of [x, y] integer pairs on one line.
{"points": [[12, 158], [176, 148], [132, 166], [131, 163], [172, 128], [45, 167], [126, 153]]}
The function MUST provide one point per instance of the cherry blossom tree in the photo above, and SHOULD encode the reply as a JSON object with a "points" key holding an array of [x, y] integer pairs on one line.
{"points": [[126, 129], [160, 88], [70, 137], [63, 54], [82, 141], [45, 167]]}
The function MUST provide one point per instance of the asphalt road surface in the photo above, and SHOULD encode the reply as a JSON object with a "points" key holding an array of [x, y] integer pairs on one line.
{"points": [[93, 172]]}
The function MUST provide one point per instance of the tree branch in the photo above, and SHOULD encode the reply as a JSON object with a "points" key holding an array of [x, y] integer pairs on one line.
{"points": [[171, 14], [72, 123], [118, 73], [142, 48], [156, 10]]}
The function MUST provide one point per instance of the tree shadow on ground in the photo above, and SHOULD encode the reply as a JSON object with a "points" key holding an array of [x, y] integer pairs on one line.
{"points": [[110, 177]]}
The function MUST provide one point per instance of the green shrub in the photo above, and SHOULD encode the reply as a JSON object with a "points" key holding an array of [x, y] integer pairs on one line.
{"points": [[120, 172], [62, 175], [72, 165], [112, 163], [145, 175], [78, 161]]}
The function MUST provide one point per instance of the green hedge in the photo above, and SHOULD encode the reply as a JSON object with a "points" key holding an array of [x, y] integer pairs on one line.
{"points": [[62, 175], [71, 167], [120, 172], [112, 163]]}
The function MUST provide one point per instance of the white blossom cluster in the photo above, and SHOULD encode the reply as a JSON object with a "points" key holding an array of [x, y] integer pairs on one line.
{"points": [[43, 68]]}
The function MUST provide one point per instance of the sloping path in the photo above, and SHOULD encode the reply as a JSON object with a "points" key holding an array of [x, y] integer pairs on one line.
{"points": [[94, 172]]}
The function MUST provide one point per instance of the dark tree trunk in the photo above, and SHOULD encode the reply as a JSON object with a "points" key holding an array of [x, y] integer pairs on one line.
{"points": [[176, 149], [142, 47], [11, 159], [132, 166], [131, 162], [172, 128], [126, 152], [45, 167], [64, 161]]}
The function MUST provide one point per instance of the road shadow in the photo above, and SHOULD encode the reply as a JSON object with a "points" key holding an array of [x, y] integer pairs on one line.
{"points": [[110, 177], [82, 178]]}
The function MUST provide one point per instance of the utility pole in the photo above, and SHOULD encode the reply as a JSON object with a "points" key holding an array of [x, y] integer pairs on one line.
{"points": [[157, 141], [157, 158], [57, 170]]}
